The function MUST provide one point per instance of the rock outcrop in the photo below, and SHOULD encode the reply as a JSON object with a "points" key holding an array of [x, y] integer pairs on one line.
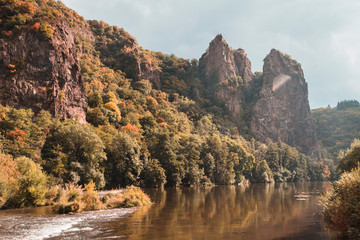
{"points": [[243, 65], [40, 73], [225, 73], [282, 113]]}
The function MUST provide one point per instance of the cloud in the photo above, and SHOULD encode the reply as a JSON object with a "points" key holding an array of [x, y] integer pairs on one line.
{"points": [[322, 35]]}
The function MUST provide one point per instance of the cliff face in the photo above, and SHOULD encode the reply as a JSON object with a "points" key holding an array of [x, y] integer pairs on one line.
{"points": [[42, 73], [225, 73], [282, 112], [243, 65]]}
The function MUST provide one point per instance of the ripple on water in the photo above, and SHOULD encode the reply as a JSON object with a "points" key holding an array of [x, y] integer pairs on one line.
{"points": [[26, 227]]}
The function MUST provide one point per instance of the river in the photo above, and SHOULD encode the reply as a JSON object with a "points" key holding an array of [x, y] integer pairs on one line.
{"points": [[260, 211]]}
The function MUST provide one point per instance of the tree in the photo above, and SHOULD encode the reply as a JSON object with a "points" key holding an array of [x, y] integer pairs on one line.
{"points": [[351, 158], [153, 174], [31, 185], [79, 150], [8, 177], [347, 104], [124, 163]]}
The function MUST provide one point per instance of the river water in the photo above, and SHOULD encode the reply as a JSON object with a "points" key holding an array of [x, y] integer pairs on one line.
{"points": [[260, 211]]}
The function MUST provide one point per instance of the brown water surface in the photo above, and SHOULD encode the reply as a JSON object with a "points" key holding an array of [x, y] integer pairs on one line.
{"points": [[260, 211]]}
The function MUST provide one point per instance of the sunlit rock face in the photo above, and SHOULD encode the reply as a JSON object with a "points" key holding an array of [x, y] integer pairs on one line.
{"points": [[282, 112], [45, 73], [225, 73]]}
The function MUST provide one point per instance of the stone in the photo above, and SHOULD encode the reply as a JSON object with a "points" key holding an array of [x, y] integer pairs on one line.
{"points": [[225, 73], [42, 73], [282, 112]]}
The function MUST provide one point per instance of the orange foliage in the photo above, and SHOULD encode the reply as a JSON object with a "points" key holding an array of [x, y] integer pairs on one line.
{"points": [[16, 135], [163, 95], [113, 107], [162, 98], [27, 7], [127, 49], [129, 128], [163, 124], [152, 103], [160, 120], [98, 85], [7, 34], [35, 27], [8, 168]]}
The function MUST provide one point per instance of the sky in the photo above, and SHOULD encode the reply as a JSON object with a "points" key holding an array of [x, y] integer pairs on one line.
{"points": [[322, 35]]}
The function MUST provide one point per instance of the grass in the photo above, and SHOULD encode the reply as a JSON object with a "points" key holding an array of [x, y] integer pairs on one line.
{"points": [[73, 198]]}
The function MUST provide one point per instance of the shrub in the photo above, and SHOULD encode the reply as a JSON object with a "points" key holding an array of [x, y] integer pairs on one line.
{"points": [[32, 185], [69, 199], [341, 205], [73, 198], [113, 107], [8, 177], [47, 31], [90, 198], [351, 158], [132, 197]]}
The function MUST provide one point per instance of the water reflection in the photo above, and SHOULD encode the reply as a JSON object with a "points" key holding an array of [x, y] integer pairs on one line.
{"points": [[261, 211]]}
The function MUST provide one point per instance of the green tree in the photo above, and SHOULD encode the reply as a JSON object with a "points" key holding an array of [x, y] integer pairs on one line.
{"points": [[153, 175], [79, 150], [124, 163], [350, 159]]}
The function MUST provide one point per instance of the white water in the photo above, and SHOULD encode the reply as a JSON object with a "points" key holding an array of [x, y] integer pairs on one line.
{"points": [[78, 226]]}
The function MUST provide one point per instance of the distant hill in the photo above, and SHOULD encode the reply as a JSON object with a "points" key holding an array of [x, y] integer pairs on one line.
{"points": [[337, 127]]}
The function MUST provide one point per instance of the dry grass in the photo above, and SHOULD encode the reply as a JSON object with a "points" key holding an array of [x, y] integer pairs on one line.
{"points": [[73, 198]]}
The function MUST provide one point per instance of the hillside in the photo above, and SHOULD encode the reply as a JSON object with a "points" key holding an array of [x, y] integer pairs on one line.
{"points": [[85, 102], [337, 127]]}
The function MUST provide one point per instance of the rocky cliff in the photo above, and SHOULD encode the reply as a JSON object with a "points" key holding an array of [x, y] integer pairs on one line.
{"points": [[43, 73], [225, 73], [282, 113]]}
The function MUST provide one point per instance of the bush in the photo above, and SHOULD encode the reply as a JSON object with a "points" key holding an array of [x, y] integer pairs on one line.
{"points": [[69, 199], [351, 158], [46, 30], [341, 205], [31, 185], [90, 198], [132, 197], [8, 177]]}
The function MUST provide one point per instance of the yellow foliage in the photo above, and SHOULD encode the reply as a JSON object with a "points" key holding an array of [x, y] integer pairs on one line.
{"points": [[112, 97]]}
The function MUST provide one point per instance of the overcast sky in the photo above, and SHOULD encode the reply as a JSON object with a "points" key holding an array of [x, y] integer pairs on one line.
{"points": [[323, 35]]}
